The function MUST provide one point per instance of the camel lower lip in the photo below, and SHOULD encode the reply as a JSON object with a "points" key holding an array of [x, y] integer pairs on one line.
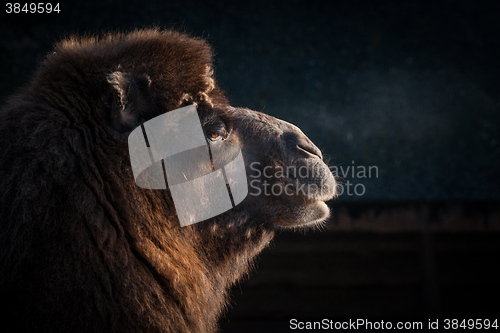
{"points": [[307, 213], [308, 199]]}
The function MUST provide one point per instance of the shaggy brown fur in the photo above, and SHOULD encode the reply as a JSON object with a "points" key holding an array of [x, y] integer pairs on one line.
{"points": [[82, 248]]}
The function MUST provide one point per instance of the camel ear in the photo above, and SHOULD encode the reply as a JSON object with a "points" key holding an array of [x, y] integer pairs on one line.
{"points": [[130, 99]]}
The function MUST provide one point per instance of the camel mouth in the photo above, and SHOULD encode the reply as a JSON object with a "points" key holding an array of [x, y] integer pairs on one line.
{"points": [[305, 212], [324, 190], [312, 198]]}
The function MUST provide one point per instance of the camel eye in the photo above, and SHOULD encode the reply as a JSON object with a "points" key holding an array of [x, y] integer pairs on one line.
{"points": [[215, 136], [216, 131]]}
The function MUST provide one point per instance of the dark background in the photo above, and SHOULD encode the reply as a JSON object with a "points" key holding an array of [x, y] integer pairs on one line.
{"points": [[411, 88]]}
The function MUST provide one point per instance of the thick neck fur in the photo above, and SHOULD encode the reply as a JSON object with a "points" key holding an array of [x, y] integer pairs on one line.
{"points": [[82, 248]]}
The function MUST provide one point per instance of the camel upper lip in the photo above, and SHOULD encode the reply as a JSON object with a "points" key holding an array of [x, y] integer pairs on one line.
{"points": [[323, 195], [325, 191], [315, 198]]}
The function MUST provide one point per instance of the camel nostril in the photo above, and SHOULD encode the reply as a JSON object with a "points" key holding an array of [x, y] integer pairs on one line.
{"points": [[297, 142], [309, 148]]}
